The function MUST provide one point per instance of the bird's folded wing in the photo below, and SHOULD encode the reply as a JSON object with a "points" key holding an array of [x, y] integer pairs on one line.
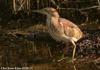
{"points": [[70, 29]]}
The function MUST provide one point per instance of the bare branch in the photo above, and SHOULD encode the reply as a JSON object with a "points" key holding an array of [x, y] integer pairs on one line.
{"points": [[99, 4], [14, 5], [89, 8], [82, 8], [55, 3]]}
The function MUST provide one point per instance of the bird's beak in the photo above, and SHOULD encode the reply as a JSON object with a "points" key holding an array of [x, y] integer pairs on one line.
{"points": [[39, 11]]}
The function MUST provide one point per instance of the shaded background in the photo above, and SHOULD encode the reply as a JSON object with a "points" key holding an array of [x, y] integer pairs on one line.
{"points": [[25, 42]]}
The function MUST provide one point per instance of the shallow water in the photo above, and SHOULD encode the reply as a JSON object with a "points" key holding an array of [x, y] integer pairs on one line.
{"points": [[35, 48]]}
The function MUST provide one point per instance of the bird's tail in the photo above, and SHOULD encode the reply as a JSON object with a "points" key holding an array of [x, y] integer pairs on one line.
{"points": [[78, 34]]}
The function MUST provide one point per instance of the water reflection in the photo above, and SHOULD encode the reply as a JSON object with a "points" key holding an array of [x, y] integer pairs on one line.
{"points": [[52, 64], [34, 51]]}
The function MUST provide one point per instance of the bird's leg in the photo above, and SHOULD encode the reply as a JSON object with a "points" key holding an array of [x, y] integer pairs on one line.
{"points": [[74, 50], [60, 44], [63, 57], [49, 50]]}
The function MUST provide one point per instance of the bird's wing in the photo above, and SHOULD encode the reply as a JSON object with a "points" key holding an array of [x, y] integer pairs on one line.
{"points": [[68, 23], [70, 29]]}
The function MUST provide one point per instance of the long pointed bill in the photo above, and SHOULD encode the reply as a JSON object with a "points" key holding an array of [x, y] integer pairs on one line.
{"points": [[42, 11], [38, 11]]}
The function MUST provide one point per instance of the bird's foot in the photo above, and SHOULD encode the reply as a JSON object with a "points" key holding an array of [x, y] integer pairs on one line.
{"points": [[69, 60], [73, 60], [62, 59], [60, 44]]}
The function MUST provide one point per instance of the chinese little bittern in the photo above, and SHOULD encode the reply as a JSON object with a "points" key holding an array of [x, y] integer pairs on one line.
{"points": [[61, 29]]}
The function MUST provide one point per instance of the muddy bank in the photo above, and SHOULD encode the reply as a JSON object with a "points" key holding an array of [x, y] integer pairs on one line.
{"points": [[31, 48]]}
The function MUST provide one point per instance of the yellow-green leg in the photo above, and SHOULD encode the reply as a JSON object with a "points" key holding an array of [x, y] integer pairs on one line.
{"points": [[74, 50]]}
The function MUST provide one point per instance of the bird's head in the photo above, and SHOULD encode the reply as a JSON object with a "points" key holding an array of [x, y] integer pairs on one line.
{"points": [[48, 11]]}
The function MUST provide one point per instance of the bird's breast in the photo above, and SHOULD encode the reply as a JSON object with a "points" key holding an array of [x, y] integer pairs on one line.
{"points": [[55, 29]]}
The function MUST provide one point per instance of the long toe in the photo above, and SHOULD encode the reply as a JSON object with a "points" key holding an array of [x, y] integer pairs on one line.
{"points": [[73, 59], [62, 59]]}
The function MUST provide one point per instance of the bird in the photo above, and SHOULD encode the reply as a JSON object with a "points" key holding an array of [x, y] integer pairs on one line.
{"points": [[61, 29]]}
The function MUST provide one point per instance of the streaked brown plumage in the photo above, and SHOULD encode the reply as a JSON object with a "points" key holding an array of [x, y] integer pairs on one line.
{"points": [[61, 29]]}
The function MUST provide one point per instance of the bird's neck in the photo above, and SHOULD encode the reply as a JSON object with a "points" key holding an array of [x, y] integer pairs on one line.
{"points": [[55, 15], [52, 20]]}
